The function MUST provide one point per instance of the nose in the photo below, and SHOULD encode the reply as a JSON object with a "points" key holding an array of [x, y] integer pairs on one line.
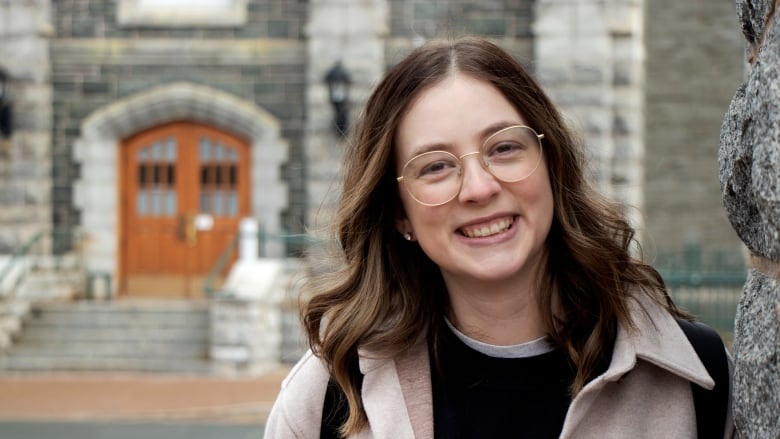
{"points": [[477, 183]]}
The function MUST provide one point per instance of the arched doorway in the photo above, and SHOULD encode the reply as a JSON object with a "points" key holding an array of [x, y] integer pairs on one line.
{"points": [[184, 189], [100, 192]]}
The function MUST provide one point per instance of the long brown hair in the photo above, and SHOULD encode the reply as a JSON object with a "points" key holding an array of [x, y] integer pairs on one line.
{"points": [[387, 293]]}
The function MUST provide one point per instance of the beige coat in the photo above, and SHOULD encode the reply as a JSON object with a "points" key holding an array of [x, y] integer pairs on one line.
{"points": [[645, 392]]}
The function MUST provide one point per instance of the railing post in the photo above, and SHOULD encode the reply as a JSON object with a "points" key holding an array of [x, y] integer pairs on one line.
{"points": [[95, 276], [693, 256], [248, 242]]}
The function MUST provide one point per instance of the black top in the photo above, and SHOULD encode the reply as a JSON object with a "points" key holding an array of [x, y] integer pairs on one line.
{"points": [[478, 396]]}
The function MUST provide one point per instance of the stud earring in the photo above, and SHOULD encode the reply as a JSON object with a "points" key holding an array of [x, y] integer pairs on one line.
{"points": [[408, 236]]}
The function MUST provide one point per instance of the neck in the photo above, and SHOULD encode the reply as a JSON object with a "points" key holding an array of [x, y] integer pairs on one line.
{"points": [[498, 316]]}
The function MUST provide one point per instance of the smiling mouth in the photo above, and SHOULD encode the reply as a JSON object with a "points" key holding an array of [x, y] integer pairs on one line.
{"points": [[488, 229]]}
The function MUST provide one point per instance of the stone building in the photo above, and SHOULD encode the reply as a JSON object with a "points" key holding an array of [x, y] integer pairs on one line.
{"points": [[144, 130]]}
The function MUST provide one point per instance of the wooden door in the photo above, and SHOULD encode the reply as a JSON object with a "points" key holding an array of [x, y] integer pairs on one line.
{"points": [[184, 190]]}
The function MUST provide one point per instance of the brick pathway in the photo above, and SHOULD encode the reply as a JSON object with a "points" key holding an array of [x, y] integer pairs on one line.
{"points": [[137, 397]]}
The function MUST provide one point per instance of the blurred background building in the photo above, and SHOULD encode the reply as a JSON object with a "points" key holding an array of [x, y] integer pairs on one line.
{"points": [[142, 132]]}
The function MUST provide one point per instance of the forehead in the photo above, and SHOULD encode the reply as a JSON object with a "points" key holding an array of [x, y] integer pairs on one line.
{"points": [[453, 114]]}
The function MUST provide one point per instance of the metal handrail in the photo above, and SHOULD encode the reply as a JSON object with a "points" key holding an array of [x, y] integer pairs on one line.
{"points": [[16, 257], [209, 288], [692, 267], [708, 285], [208, 285]]}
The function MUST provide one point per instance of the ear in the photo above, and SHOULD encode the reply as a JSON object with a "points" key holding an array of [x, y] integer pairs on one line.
{"points": [[402, 223], [403, 226]]}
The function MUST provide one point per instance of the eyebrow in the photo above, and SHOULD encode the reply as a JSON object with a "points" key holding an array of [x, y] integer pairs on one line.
{"points": [[483, 135]]}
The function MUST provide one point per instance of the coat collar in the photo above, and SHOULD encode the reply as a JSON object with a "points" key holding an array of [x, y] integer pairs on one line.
{"points": [[658, 339]]}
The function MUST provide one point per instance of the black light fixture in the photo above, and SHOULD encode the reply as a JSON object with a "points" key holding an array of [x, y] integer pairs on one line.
{"points": [[338, 81], [6, 111]]}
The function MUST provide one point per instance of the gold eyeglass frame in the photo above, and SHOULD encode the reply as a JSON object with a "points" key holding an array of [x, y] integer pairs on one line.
{"points": [[482, 162]]}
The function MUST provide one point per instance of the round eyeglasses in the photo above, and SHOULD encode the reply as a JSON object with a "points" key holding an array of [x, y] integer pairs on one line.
{"points": [[511, 154]]}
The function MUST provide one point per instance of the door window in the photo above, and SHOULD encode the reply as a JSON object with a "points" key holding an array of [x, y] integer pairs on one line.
{"points": [[156, 172], [218, 178]]}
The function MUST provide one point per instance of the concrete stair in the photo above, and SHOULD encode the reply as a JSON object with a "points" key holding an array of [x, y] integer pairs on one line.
{"points": [[52, 277], [155, 336]]}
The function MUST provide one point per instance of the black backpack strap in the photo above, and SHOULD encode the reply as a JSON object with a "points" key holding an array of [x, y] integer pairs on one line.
{"points": [[711, 405], [334, 412]]}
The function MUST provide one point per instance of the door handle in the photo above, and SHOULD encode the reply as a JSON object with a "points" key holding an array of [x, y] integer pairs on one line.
{"points": [[186, 229]]}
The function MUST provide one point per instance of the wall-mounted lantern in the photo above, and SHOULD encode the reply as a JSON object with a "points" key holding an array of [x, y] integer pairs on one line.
{"points": [[6, 111], [338, 81]]}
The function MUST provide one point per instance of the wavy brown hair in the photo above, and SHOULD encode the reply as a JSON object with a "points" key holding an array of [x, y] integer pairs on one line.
{"points": [[387, 293]]}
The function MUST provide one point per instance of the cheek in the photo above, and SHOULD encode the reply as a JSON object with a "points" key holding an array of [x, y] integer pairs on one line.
{"points": [[424, 218], [538, 193]]}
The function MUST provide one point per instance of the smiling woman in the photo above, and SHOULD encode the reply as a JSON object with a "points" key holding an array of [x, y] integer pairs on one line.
{"points": [[485, 289]]}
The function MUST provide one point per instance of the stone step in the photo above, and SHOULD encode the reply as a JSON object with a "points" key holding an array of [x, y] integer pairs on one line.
{"points": [[48, 277], [55, 334], [55, 263], [124, 308], [80, 363], [127, 305], [134, 336], [129, 320], [112, 348]]}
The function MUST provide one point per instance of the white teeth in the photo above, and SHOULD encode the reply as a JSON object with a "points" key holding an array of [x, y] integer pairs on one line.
{"points": [[488, 229]]}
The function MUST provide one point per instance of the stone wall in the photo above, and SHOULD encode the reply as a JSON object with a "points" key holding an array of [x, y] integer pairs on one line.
{"points": [[412, 22], [749, 160], [694, 63], [350, 32], [25, 158], [370, 36], [589, 56], [97, 60], [419, 19]]}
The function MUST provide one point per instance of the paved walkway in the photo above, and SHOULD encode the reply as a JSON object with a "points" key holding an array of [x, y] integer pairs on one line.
{"points": [[138, 397]]}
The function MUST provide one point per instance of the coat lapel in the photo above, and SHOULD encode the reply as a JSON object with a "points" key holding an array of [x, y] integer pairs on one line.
{"points": [[383, 399], [414, 374]]}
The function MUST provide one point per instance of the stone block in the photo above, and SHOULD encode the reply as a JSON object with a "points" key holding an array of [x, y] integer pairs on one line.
{"points": [[756, 353], [753, 17], [591, 17], [30, 57], [554, 50], [624, 17], [20, 19], [366, 18], [245, 334], [626, 73], [553, 17], [749, 164]]}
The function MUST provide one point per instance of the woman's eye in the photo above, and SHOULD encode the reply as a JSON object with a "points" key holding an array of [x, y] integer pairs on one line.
{"points": [[437, 168], [505, 148]]}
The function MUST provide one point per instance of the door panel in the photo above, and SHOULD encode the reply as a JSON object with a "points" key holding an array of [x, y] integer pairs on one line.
{"points": [[185, 189]]}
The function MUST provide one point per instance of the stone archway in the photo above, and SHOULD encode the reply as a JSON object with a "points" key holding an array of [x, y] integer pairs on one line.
{"points": [[96, 191]]}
